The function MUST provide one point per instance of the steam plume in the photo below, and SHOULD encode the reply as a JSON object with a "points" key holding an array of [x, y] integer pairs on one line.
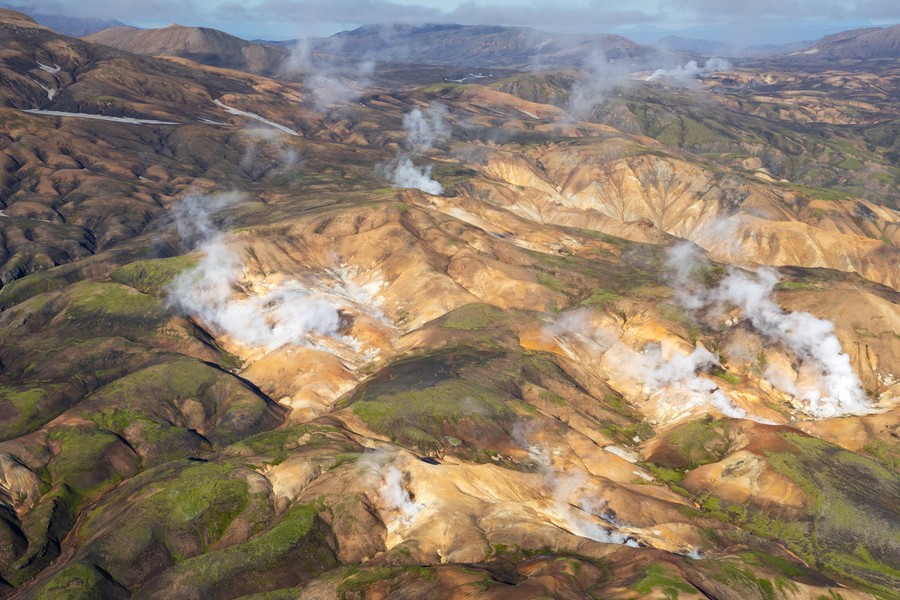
{"points": [[396, 496], [581, 518], [426, 128], [266, 151], [423, 129], [676, 373], [599, 76], [407, 175], [684, 74], [383, 474], [666, 372], [836, 391], [330, 83], [210, 291]]}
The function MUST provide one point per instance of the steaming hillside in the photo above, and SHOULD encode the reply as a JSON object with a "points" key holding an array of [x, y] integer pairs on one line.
{"points": [[561, 335]]}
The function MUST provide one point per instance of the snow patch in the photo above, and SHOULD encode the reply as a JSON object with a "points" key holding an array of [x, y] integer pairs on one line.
{"points": [[52, 70], [468, 77], [631, 457], [51, 92], [235, 111], [129, 120]]}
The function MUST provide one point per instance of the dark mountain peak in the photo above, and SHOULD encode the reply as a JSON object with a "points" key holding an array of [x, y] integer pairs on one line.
{"points": [[858, 44], [486, 46]]}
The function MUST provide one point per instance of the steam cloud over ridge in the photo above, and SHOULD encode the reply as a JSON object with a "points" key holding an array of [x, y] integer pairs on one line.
{"points": [[388, 480], [663, 372], [331, 84], [689, 71], [837, 389], [280, 315]]}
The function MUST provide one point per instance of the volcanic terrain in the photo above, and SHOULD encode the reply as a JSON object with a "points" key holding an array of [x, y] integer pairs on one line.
{"points": [[402, 330]]}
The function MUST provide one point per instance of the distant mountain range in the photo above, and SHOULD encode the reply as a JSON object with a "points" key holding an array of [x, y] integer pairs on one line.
{"points": [[701, 47], [74, 26], [482, 46], [475, 46]]}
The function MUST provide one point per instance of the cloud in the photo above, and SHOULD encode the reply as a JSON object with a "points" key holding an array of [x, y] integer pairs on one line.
{"points": [[831, 9], [288, 17]]}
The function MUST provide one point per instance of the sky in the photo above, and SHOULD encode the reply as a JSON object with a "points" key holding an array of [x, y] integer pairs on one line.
{"points": [[744, 22]]}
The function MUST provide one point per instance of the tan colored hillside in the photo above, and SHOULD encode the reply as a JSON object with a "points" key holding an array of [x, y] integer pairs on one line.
{"points": [[208, 46]]}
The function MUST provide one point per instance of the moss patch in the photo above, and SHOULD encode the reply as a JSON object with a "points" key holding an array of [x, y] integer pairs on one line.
{"points": [[171, 513], [85, 459], [24, 409], [185, 393], [475, 317], [294, 550], [693, 444], [421, 418], [80, 581], [112, 308], [658, 577], [852, 528], [152, 276]]}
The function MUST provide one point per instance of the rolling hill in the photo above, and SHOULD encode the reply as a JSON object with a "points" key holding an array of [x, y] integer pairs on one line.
{"points": [[200, 44]]}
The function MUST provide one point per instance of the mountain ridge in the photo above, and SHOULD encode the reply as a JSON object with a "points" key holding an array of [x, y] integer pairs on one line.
{"points": [[482, 45], [860, 44], [201, 44]]}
